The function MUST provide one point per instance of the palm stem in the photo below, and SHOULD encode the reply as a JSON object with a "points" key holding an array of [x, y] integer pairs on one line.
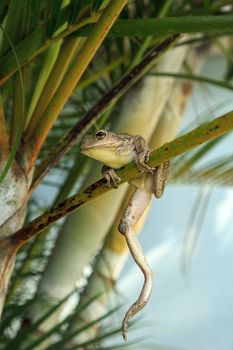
{"points": [[4, 139], [17, 107], [57, 74], [199, 78]]}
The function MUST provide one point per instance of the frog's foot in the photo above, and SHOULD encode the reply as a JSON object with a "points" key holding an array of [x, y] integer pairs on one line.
{"points": [[123, 227], [135, 308], [143, 167], [142, 154], [111, 177], [141, 162], [160, 177]]}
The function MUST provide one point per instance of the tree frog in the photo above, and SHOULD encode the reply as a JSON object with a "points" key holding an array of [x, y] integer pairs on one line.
{"points": [[115, 151]]}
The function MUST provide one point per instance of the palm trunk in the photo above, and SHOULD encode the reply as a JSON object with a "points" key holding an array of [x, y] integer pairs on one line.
{"points": [[13, 199]]}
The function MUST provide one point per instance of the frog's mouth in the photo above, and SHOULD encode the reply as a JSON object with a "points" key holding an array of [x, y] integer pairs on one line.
{"points": [[97, 150], [85, 145]]}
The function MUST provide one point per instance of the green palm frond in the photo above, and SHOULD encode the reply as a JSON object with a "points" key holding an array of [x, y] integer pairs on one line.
{"points": [[218, 173], [62, 336]]}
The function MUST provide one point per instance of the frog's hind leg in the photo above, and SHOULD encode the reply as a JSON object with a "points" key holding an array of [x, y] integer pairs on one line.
{"points": [[137, 204], [160, 177]]}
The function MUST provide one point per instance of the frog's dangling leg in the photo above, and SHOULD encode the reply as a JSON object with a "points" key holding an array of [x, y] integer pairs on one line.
{"points": [[135, 208]]}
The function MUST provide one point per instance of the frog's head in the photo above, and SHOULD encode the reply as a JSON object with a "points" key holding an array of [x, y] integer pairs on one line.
{"points": [[93, 145], [105, 146]]}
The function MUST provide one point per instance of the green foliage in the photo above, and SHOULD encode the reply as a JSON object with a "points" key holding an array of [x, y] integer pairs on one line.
{"points": [[168, 26], [61, 332], [32, 28]]}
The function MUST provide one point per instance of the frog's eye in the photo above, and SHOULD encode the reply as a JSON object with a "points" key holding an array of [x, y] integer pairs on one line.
{"points": [[101, 134]]}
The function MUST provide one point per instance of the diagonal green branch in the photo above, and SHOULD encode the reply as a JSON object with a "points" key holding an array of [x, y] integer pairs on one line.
{"points": [[97, 110], [194, 138]]}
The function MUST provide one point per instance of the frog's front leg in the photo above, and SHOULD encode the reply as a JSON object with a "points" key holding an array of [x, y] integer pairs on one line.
{"points": [[135, 208], [142, 152], [110, 176]]}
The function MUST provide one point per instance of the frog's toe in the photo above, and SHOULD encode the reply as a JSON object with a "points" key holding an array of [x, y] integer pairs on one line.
{"points": [[108, 180], [143, 167], [114, 185], [112, 180], [123, 227], [116, 180]]}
